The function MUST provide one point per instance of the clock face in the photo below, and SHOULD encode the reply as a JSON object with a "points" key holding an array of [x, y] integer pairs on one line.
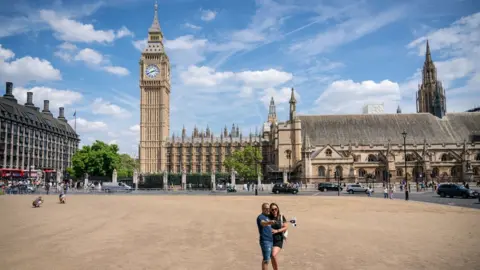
{"points": [[152, 71]]}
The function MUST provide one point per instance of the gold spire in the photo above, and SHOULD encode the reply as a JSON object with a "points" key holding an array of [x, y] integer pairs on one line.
{"points": [[155, 28]]}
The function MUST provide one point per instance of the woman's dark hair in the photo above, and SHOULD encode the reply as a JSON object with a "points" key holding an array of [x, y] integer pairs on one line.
{"points": [[278, 212]]}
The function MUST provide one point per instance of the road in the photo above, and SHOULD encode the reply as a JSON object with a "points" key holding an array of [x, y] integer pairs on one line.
{"points": [[428, 197]]}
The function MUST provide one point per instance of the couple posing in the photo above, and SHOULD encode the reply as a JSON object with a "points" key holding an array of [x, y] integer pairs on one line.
{"points": [[271, 226]]}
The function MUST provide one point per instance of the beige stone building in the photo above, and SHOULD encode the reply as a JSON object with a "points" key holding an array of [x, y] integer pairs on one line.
{"points": [[310, 148]]}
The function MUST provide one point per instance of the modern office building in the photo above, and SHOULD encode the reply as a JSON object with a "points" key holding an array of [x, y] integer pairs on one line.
{"points": [[32, 139]]}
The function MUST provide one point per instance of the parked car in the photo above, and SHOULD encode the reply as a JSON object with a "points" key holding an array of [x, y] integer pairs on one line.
{"points": [[454, 190], [329, 187], [284, 188], [356, 188], [116, 187]]}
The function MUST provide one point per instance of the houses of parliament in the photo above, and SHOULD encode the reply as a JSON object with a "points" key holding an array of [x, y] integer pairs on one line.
{"points": [[440, 145]]}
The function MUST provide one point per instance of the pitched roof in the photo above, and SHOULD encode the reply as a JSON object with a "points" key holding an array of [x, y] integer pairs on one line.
{"points": [[366, 129], [29, 116]]}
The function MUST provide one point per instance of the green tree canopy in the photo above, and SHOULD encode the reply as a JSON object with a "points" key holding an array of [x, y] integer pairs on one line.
{"points": [[245, 162], [127, 166], [99, 159]]}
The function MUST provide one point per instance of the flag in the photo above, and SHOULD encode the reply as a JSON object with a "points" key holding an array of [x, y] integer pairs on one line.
{"points": [[75, 114]]}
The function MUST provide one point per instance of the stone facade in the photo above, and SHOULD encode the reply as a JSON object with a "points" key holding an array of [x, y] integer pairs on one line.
{"points": [[154, 101], [34, 138], [439, 144], [312, 147]]}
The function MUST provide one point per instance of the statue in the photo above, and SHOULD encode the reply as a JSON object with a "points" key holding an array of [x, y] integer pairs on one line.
{"points": [[468, 167], [114, 176]]}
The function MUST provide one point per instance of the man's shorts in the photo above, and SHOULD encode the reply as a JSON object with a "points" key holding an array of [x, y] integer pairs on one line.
{"points": [[266, 250]]}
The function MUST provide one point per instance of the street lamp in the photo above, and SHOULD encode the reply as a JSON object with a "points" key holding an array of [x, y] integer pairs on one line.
{"points": [[404, 134], [288, 153]]}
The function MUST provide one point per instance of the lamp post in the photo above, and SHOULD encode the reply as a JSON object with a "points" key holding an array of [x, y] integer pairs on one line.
{"points": [[404, 134], [288, 153], [337, 177], [30, 153]]}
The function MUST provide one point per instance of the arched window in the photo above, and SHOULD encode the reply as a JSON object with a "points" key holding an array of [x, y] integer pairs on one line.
{"points": [[436, 172], [339, 171], [399, 172], [321, 171], [476, 171], [477, 158], [356, 158], [361, 172], [454, 172], [444, 157], [372, 158], [328, 153]]}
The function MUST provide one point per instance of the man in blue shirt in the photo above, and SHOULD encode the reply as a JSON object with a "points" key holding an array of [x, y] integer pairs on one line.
{"points": [[265, 232]]}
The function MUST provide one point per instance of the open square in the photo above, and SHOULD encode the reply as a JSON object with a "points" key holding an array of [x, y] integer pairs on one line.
{"points": [[219, 232]]}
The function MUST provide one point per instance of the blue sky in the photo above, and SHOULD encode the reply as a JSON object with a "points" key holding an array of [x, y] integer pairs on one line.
{"points": [[230, 57]]}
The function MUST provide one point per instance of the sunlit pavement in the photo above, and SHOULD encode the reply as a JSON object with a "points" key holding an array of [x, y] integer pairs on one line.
{"points": [[428, 196]]}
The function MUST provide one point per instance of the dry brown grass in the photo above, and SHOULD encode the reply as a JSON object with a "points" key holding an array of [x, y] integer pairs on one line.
{"points": [[206, 232]]}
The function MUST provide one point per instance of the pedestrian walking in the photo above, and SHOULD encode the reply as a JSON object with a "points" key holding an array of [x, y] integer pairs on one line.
{"points": [[385, 193]]}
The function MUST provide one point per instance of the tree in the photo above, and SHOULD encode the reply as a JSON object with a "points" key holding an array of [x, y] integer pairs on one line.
{"points": [[245, 162], [127, 166], [99, 159]]}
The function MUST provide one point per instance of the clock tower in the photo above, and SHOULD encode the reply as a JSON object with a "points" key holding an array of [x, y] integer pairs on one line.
{"points": [[154, 101]]}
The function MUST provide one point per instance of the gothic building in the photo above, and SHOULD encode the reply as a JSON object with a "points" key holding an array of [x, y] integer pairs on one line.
{"points": [[438, 144], [310, 148], [32, 139]]}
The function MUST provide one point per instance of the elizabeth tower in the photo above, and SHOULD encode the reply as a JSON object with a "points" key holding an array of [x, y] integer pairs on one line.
{"points": [[154, 101]]}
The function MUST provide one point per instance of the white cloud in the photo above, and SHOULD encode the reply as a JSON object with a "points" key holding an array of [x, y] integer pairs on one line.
{"points": [[192, 26], [458, 47], [103, 107], [121, 71], [346, 32], [208, 77], [264, 78], [89, 56], [67, 29], [135, 128], [58, 98], [208, 15], [67, 46], [124, 32], [94, 59], [462, 35], [348, 97], [6, 54], [26, 69], [84, 125], [182, 51], [280, 96], [140, 44], [204, 76]]}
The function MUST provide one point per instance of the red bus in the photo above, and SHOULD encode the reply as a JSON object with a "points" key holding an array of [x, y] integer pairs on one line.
{"points": [[11, 173]]}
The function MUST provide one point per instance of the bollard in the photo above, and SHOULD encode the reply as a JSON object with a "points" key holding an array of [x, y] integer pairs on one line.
{"points": [[256, 191]]}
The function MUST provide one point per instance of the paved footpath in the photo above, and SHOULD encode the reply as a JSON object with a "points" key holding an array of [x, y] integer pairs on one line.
{"points": [[427, 196]]}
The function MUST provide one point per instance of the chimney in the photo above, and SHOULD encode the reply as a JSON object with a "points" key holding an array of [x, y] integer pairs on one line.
{"points": [[61, 114], [30, 100], [46, 109], [9, 92]]}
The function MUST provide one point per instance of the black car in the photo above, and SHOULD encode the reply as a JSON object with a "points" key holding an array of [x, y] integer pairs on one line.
{"points": [[454, 190], [284, 188], [329, 187]]}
